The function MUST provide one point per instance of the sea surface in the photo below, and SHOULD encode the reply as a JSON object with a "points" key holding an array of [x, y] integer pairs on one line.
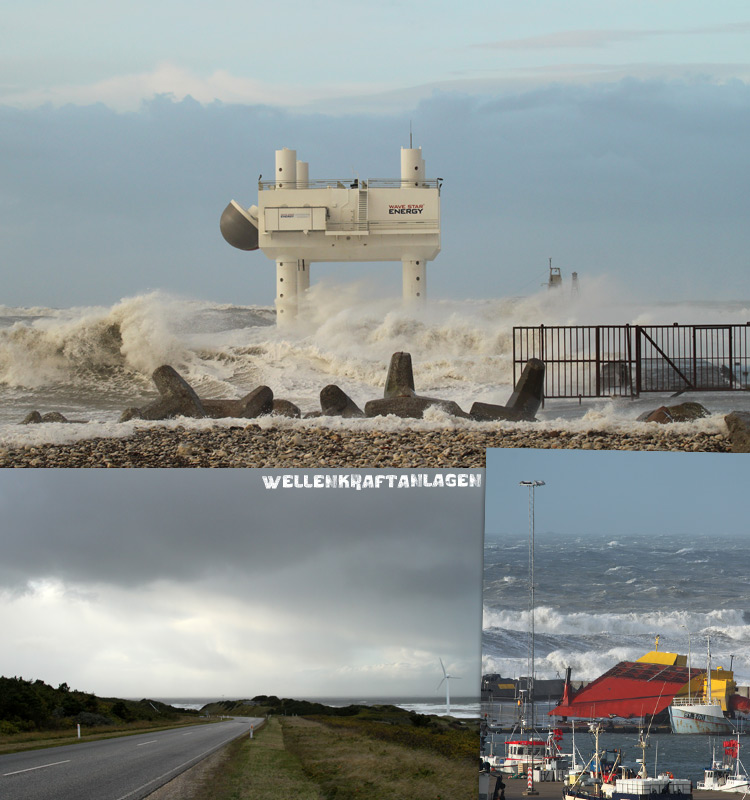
{"points": [[600, 601], [90, 363]]}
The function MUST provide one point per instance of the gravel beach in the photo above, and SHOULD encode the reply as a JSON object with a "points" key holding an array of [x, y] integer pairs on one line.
{"points": [[253, 445]]}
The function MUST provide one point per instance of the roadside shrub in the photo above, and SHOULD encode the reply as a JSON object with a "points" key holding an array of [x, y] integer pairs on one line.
{"points": [[8, 728], [88, 719]]}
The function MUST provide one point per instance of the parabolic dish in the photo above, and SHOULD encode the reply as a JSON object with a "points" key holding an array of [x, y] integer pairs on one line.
{"points": [[237, 227]]}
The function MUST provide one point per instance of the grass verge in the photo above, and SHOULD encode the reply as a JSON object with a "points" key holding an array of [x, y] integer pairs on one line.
{"points": [[346, 763], [311, 760], [260, 768]]}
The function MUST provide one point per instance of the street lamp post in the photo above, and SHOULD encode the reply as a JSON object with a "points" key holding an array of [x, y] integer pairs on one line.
{"points": [[530, 678]]}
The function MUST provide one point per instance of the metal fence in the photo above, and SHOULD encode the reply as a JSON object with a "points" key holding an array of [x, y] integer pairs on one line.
{"points": [[627, 360]]}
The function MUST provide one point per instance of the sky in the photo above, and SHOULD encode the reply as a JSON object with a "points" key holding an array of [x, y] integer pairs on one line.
{"points": [[203, 583], [614, 493], [610, 137]]}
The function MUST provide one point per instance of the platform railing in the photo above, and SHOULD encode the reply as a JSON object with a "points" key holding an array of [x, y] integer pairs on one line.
{"points": [[351, 183], [585, 361], [696, 700]]}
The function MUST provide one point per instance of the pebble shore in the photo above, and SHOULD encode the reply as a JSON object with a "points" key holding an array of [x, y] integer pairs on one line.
{"points": [[319, 447]]}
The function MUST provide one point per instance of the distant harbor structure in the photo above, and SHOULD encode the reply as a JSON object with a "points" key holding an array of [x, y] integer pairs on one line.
{"points": [[555, 281], [298, 221]]}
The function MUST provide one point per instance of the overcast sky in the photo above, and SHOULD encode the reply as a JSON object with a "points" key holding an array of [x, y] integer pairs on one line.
{"points": [[617, 493], [608, 136], [204, 583]]}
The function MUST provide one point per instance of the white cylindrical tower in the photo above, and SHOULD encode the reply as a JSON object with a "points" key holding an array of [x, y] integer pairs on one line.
{"points": [[303, 276], [412, 166], [286, 168], [415, 279], [286, 290], [303, 174]]}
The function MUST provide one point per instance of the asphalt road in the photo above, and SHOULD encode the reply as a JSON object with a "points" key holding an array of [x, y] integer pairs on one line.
{"points": [[125, 768]]}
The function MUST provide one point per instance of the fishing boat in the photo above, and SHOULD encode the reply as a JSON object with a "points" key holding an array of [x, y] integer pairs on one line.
{"points": [[698, 716], [702, 714], [529, 750], [725, 775], [617, 782]]}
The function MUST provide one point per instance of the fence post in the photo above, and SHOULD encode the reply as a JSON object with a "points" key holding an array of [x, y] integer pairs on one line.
{"points": [[544, 361], [597, 361], [638, 374]]}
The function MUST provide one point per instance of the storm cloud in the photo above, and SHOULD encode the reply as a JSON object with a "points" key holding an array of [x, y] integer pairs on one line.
{"points": [[643, 180], [174, 560]]}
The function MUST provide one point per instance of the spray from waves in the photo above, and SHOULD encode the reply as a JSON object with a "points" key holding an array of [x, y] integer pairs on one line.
{"points": [[461, 350], [726, 622], [135, 336], [586, 665]]}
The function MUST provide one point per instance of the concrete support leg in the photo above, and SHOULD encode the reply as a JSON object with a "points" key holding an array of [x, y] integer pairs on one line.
{"points": [[286, 290], [415, 280], [303, 276]]}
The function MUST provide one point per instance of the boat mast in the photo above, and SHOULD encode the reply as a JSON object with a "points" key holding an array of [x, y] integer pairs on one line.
{"points": [[689, 667], [708, 668]]}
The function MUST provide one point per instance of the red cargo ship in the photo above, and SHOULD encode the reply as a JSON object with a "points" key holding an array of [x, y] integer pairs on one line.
{"points": [[642, 688]]}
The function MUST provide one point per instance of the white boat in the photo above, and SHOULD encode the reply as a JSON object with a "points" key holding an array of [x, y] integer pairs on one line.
{"points": [[698, 715], [725, 776], [619, 783], [702, 714], [529, 750]]}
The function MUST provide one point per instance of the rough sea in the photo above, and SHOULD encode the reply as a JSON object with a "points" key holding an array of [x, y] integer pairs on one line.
{"points": [[90, 363], [599, 601]]}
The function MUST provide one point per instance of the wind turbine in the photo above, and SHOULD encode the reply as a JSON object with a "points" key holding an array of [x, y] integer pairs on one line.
{"points": [[447, 680]]}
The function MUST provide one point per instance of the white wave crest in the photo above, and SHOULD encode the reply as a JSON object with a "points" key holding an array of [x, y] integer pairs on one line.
{"points": [[730, 622]]}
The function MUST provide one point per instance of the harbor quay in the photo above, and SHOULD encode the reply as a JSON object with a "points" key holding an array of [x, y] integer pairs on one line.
{"points": [[517, 788]]}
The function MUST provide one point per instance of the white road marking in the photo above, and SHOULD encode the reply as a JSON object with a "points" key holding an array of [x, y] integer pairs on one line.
{"points": [[193, 760], [149, 742], [31, 769]]}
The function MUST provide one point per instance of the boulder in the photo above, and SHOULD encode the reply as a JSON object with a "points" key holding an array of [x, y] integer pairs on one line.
{"points": [[334, 402], [217, 409], [257, 403], [285, 408], [682, 412], [177, 393], [54, 416], [178, 398], [524, 402], [400, 379], [159, 409], [254, 404], [489, 412], [738, 423], [529, 391], [34, 417], [410, 407]]}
